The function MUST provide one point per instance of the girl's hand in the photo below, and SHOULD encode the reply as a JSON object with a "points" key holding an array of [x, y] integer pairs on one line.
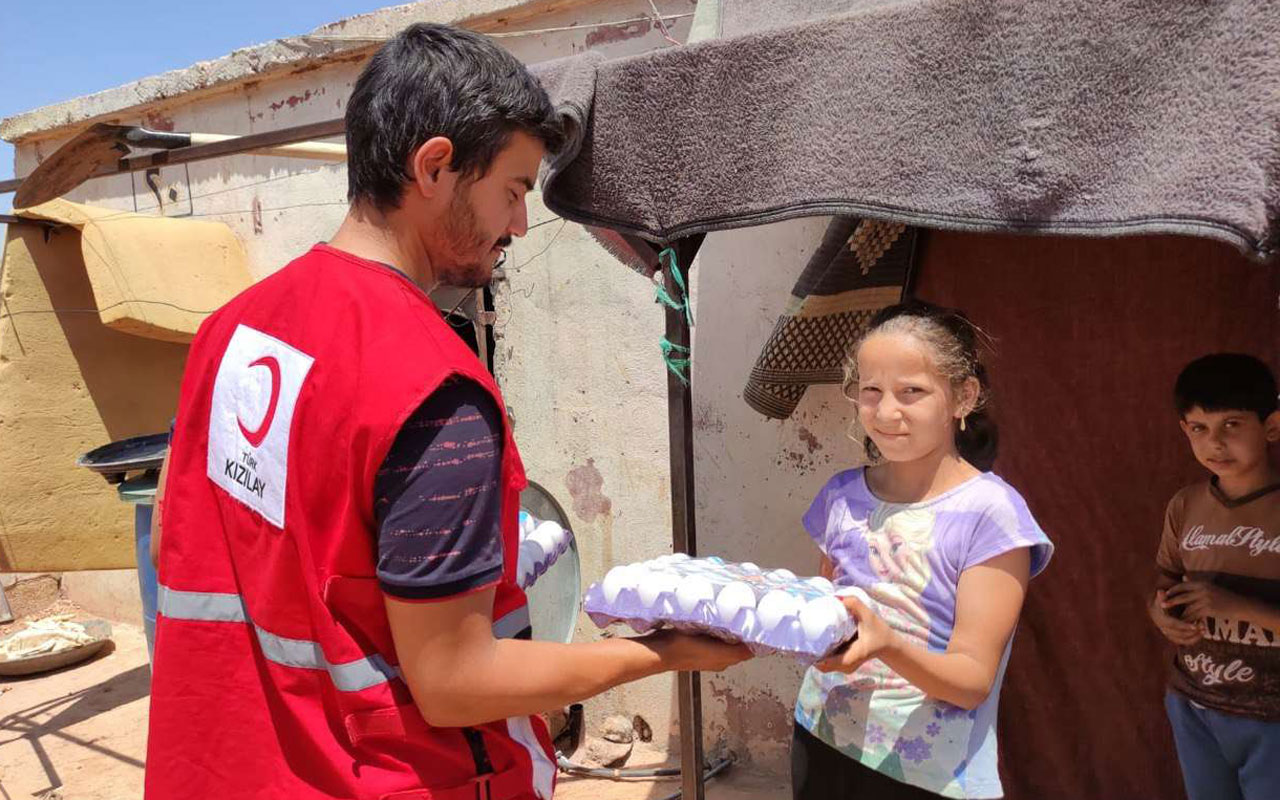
{"points": [[874, 638]]}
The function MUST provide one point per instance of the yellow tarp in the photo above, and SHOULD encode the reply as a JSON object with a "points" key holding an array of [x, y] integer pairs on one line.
{"points": [[73, 377], [153, 276]]}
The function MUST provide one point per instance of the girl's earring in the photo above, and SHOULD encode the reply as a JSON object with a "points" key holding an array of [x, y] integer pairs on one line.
{"points": [[962, 419]]}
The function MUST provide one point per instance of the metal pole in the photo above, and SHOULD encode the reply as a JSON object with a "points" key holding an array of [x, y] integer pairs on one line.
{"points": [[684, 537], [212, 149]]}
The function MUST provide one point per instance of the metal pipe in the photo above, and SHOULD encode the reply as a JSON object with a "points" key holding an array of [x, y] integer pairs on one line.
{"points": [[572, 768], [714, 770], [10, 219], [228, 146], [169, 140], [320, 151]]}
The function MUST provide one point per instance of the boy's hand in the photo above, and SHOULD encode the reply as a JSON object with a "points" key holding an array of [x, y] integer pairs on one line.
{"points": [[1200, 599], [1175, 630]]}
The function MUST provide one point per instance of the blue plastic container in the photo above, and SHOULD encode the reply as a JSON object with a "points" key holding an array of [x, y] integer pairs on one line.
{"points": [[141, 493]]}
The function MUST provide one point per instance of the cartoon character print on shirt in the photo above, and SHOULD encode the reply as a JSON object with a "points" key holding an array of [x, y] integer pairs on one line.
{"points": [[898, 545], [888, 556]]}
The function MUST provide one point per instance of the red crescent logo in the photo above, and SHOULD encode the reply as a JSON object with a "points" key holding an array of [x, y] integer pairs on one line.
{"points": [[255, 437]]}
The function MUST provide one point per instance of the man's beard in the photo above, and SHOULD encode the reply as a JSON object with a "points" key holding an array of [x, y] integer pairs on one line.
{"points": [[460, 266]]}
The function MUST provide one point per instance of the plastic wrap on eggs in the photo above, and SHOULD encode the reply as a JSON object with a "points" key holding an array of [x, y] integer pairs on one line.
{"points": [[771, 611], [542, 542]]}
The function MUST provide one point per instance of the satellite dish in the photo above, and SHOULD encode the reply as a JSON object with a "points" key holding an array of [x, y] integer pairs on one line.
{"points": [[555, 599], [135, 454]]}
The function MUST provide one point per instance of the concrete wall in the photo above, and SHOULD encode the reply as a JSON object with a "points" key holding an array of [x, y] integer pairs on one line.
{"points": [[578, 361], [755, 477]]}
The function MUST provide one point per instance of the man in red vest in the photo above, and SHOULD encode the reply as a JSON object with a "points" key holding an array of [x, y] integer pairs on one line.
{"points": [[338, 616]]}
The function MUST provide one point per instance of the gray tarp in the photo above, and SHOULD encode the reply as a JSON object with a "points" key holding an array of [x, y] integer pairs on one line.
{"points": [[1071, 117]]}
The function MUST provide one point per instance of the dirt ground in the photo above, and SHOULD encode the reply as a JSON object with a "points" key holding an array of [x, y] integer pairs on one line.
{"points": [[80, 734]]}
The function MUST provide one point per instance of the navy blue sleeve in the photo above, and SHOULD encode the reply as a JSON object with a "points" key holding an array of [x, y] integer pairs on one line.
{"points": [[437, 497]]}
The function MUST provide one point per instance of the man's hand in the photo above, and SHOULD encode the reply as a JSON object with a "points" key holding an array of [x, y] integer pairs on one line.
{"points": [[687, 653], [1178, 631], [874, 637], [1200, 599], [461, 676]]}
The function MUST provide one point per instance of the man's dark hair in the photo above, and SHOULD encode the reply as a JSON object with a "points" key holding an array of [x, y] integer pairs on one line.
{"points": [[435, 80], [1226, 382]]}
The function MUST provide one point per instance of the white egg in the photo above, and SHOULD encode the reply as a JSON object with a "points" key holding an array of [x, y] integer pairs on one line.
{"points": [[820, 616], [614, 582], [637, 576], [676, 558], [775, 608], [655, 587], [694, 589], [783, 575], [749, 567], [819, 582], [732, 599], [549, 535], [530, 553]]}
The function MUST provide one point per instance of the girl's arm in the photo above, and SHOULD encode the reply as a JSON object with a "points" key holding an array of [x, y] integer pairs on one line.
{"points": [[988, 601]]}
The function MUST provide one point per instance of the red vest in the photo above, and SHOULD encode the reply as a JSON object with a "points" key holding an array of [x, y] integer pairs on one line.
{"points": [[275, 674]]}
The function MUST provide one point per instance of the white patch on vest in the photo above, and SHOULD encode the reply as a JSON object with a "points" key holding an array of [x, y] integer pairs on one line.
{"points": [[254, 396], [544, 769]]}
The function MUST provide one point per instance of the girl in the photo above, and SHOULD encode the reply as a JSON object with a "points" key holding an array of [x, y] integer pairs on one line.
{"points": [[940, 552]]}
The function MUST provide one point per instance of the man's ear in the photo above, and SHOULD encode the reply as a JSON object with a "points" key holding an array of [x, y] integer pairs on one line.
{"points": [[428, 163]]}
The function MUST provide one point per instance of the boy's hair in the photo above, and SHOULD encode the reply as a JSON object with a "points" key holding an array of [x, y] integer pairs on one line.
{"points": [[435, 80], [1226, 382]]}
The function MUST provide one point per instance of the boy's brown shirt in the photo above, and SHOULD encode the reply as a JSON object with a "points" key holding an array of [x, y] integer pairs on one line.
{"points": [[1235, 544]]}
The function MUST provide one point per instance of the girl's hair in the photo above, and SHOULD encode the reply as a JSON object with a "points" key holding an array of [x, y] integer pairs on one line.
{"points": [[953, 344]]}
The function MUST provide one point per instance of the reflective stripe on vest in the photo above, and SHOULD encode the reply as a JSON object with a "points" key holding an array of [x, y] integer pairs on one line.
{"points": [[351, 676], [512, 624]]}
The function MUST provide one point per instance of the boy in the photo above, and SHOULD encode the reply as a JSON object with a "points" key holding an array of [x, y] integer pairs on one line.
{"points": [[1218, 593]]}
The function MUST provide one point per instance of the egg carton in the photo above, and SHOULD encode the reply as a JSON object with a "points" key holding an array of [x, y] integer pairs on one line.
{"points": [[542, 542], [771, 611]]}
